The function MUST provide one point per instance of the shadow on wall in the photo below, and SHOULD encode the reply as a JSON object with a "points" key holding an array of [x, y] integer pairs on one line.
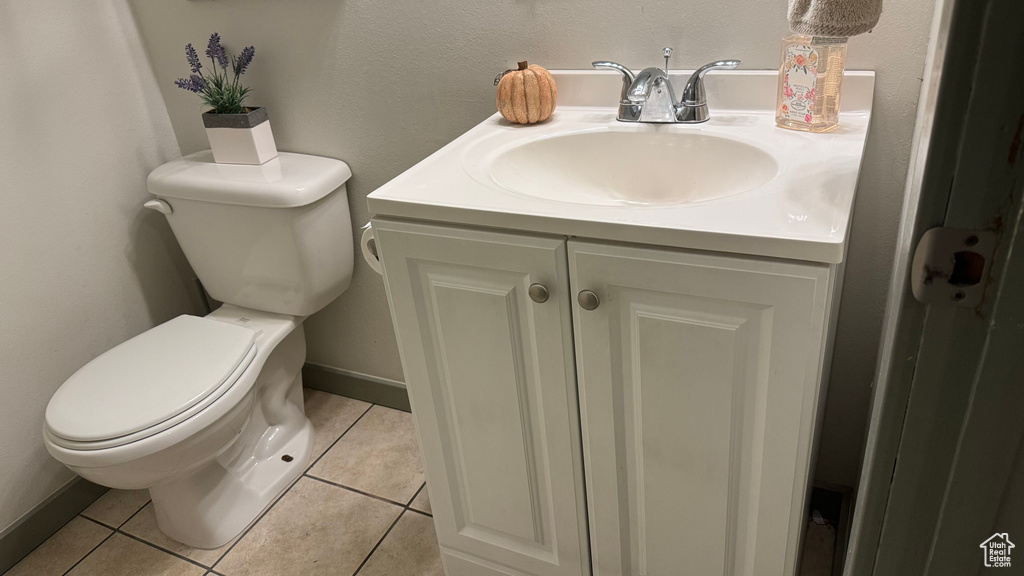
{"points": [[150, 252]]}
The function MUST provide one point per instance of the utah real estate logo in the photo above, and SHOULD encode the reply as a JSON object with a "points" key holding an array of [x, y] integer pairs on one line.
{"points": [[997, 550]]}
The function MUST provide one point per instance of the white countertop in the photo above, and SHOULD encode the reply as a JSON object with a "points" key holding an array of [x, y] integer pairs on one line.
{"points": [[802, 213]]}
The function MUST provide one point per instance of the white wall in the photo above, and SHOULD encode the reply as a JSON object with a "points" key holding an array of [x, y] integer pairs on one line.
{"points": [[383, 84], [82, 267]]}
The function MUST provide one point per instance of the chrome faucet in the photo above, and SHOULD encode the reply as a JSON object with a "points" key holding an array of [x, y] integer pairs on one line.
{"points": [[649, 97]]}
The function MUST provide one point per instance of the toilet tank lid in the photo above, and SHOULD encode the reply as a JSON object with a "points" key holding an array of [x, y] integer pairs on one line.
{"points": [[149, 379], [287, 181]]}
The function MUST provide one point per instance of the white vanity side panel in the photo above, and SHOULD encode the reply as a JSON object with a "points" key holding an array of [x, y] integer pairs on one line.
{"points": [[698, 381], [491, 380]]}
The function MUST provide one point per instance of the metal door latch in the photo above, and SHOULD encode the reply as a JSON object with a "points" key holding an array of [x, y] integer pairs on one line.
{"points": [[951, 265]]}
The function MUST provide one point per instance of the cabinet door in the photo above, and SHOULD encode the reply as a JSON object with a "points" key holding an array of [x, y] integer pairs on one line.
{"points": [[492, 383], [698, 383]]}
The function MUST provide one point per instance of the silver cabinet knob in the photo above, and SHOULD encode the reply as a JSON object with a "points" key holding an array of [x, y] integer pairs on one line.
{"points": [[538, 293], [588, 300]]}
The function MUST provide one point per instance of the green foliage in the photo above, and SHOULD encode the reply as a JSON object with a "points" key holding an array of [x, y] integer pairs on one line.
{"points": [[225, 95]]}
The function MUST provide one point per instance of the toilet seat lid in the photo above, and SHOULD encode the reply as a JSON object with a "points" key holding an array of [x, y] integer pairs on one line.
{"points": [[149, 379]]}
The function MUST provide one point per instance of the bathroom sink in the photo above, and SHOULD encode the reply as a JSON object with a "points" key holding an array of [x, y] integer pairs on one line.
{"points": [[610, 167], [736, 183]]}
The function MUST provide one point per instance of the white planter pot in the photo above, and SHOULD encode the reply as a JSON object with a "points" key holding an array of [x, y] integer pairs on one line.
{"points": [[240, 138]]}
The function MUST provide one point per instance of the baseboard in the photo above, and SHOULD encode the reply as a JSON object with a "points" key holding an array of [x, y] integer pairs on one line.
{"points": [[363, 387], [46, 519]]}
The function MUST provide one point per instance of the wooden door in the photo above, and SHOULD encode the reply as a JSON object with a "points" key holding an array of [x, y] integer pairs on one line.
{"points": [[699, 386], [492, 384]]}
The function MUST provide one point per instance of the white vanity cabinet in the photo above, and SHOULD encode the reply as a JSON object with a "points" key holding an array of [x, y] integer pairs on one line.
{"points": [[493, 390], [698, 380], [683, 388]]}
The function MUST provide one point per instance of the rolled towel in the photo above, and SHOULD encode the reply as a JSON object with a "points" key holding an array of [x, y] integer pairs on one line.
{"points": [[833, 18]]}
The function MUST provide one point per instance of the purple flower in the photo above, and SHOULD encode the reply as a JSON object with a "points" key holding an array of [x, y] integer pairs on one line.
{"points": [[193, 58], [216, 52], [193, 83], [243, 60]]}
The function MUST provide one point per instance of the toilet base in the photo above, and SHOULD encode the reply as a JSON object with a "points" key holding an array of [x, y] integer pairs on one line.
{"points": [[211, 507]]}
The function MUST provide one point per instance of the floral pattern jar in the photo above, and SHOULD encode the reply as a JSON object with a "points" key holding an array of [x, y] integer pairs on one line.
{"points": [[810, 81]]}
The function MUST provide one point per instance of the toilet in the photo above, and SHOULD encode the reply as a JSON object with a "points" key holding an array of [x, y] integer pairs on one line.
{"points": [[207, 412]]}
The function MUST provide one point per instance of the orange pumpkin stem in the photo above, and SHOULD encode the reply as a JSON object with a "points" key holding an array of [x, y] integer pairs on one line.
{"points": [[524, 65]]}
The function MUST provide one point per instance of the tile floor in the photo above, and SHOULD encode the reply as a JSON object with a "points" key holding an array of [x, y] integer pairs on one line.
{"points": [[360, 508]]}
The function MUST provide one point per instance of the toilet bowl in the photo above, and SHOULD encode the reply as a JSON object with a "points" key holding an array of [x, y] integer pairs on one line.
{"points": [[213, 470], [207, 412]]}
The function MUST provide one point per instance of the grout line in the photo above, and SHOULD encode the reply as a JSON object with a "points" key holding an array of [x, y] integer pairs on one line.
{"points": [[94, 521], [142, 540], [357, 491], [162, 549], [75, 565], [336, 440], [418, 492], [379, 542], [422, 488], [427, 514], [286, 491], [405, 508], [118, 527], [119, 530], [129, 519], [255, 522], [100, 522]]}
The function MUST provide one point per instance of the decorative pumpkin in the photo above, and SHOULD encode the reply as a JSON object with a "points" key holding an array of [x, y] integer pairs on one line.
{"points": [[527, 95]]}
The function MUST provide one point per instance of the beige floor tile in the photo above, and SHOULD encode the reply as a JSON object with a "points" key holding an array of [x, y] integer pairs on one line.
{"points": [[409, 550], [315, 529], [422, 501], [116, 506], [122, 556], [60, 551], [143, 526], [378, 455], [331, 415]]}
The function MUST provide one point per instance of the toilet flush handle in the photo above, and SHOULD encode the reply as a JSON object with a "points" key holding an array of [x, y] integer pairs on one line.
{"points": [[159, 205]]}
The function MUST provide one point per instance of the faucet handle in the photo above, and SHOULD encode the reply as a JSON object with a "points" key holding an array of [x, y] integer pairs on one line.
{"points": [[627, 75], [693, 93], [667, 51], [626, 72], [724, 64]]}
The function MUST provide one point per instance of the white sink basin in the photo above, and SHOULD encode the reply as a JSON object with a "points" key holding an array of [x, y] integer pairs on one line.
{"points": [[736, 183], [612, 168]]}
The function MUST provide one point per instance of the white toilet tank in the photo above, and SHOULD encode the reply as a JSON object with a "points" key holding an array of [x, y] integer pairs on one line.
{"points": [[275, 237]]}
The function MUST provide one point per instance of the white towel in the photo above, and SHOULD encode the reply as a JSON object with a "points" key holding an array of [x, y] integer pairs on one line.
{"points": [[833, 18]]}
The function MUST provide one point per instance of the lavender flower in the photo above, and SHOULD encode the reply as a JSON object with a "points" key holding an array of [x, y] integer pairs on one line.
{"points": [[193, 58], [216, 52], [193, 83], [219, 86], [243, 60]]}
